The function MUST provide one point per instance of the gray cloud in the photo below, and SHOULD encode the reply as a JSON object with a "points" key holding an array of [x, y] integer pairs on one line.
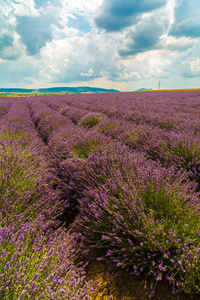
{"points": [[187, 20], [5, 41], [34, 27], [144, 37], [116, 15], [6, 32], [35, 32], [189, 28]]}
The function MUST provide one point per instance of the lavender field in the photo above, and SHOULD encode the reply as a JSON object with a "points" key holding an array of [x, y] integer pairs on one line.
{"points": [[112, 178]]}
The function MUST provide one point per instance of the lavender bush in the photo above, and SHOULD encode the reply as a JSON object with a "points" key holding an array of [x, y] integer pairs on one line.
{"points": [[37, 262], [91, 119], [46, 119], [139, 216], [183, 151], [74, 113], [72, 141]]}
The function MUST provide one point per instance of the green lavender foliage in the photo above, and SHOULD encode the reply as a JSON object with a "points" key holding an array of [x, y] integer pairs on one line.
{"points": [[36, 262], [142, 217]]}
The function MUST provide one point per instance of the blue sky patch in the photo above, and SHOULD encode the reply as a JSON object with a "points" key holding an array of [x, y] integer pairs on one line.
{"points": [[80, 23]]}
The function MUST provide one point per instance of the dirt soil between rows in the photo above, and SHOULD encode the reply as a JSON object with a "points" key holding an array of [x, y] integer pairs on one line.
{"points": [[123, 286]]}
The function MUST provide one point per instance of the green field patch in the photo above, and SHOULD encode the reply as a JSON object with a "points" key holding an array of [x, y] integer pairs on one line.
{"points": [[90, 120]]}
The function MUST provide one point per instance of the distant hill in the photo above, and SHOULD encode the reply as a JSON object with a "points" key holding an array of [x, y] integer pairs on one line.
{"points": [[74, 90], [143, 89]]}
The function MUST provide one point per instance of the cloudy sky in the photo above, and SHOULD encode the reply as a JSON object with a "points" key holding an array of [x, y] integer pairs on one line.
{"points": [[122, 44]]}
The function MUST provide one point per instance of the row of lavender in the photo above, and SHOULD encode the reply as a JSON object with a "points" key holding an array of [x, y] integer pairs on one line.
{"points": [[4, 106], [168, 110], [142, 214], [178, 146], [36, 252]]}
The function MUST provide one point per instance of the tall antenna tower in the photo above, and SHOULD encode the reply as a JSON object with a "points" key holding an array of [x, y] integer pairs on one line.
{"points": [[159, 85]]}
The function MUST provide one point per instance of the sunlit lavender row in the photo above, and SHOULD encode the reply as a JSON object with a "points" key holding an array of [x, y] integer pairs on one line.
{"points": [[36, 252], [107, 177]]}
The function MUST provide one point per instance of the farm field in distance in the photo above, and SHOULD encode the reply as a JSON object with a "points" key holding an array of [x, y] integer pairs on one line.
{"points": [[105, 184]]}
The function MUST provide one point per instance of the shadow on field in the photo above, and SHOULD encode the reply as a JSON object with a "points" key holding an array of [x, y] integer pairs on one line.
{"points": [[126, 287]]}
